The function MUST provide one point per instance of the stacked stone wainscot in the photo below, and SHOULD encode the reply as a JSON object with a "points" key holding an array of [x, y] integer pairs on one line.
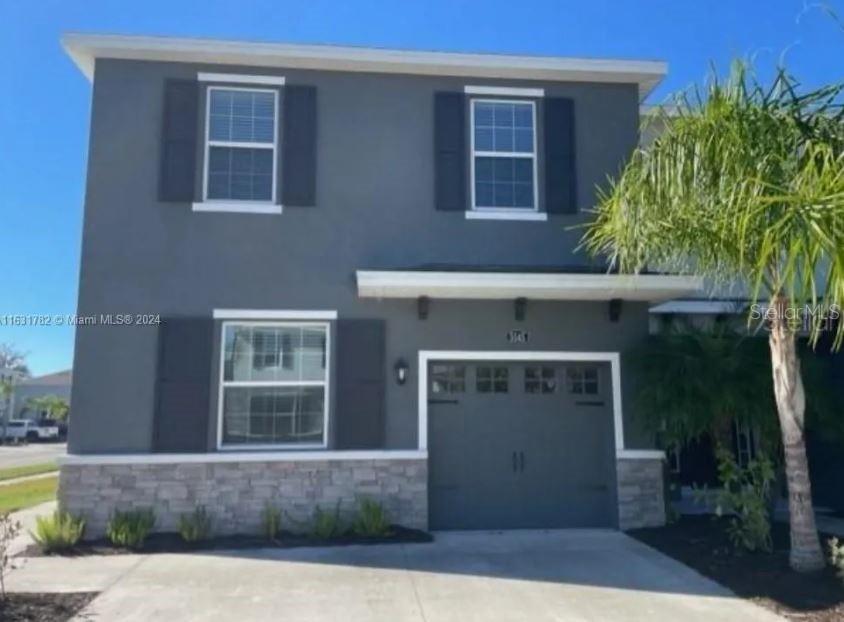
{"points": [[236, 492], [641, 498]]}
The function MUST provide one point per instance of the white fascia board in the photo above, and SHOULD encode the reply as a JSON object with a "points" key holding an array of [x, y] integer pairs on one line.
{"points": [[507, 286], [244, 456], [85, 48], [273, 314], [239, 78], [704, 307]]}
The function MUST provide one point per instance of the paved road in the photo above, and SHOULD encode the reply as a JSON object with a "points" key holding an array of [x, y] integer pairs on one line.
{"points": [[527, 576], [33, 453]]}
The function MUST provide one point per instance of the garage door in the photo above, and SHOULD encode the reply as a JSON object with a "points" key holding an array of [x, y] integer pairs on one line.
{"points": [[520, 445]]}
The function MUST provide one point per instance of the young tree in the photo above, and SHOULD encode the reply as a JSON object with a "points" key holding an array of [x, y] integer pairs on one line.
{"points": [[746, 183], [12, 358]]}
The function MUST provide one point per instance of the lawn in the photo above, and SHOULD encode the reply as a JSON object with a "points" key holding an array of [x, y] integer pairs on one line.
{"points": [[26, 494], [29, 469]]}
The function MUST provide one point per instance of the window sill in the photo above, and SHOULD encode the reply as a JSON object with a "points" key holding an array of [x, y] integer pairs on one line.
{"points": [[237, 207], [506, 215]]}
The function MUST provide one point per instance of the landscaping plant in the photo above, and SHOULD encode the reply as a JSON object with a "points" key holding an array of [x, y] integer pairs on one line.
{"points": [[326, 525], [746, 184], [196, 526], [745, 493], [130, 528], [58, 532], [836, 557], [271, 521], [371, 520], [9, 529]]}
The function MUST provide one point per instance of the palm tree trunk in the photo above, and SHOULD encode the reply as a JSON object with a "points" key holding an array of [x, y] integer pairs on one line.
{"points": [[806, 554]]}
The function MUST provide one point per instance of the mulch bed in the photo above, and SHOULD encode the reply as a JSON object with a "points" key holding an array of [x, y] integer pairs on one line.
{"points": [[43, 607], [701, 542], [168, 542]]}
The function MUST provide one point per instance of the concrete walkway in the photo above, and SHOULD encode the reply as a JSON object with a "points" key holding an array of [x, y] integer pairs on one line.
{"points": [[526, 576], [27, 520]]}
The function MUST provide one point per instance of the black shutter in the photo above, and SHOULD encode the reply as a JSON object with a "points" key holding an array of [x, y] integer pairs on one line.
{"points": [[298, 161], [184, 384], [450, 152], [359, 421], [560, 169], [178, 141]]}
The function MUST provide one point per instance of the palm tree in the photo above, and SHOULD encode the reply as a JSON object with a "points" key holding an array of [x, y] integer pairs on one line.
{"points": [[746, 184], [55, 406]]}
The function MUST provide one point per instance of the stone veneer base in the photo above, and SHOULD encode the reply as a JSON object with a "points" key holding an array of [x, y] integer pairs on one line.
{"points": [[235, 493], [641, 498]]}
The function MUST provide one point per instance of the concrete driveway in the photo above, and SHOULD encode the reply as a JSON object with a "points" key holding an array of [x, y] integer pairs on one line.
{"points": [[31, 453], [526, 576]]}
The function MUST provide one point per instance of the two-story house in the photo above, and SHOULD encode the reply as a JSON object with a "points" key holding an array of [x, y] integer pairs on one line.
{"points": [[365, 267]]}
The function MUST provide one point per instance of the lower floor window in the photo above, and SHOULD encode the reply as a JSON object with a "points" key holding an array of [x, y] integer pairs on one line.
{"points": [[274, 383]]}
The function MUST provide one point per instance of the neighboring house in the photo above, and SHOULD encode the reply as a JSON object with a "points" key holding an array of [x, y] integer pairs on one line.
{"points": [[57, 384], [10, 377], [367, 282]]}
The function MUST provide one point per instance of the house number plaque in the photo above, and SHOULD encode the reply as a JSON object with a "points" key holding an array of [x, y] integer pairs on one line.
{"points": [[518, 336]]}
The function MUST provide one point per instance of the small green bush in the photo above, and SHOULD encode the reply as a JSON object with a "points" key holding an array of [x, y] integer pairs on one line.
{"points": [[130, 529], [196, 526], [271, 522], [745, 494], [58, 532], [836, 556], [326, 525], [371, 520]]}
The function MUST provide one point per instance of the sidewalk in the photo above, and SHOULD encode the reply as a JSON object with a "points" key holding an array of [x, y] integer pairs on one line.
{"points": [[27, 520]]}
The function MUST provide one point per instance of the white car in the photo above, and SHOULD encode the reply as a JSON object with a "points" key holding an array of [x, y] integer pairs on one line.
{"points": [[25, 430]]}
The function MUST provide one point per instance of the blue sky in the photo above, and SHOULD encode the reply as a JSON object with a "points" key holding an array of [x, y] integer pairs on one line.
{"points": [[45, 107]]}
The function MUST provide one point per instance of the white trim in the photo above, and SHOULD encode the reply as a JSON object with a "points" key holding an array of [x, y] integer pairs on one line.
{"points": [[239, 78], [504, 91], [233, 205], [534, 157], [326, 384], [511, 285], [250, 456], [695, 307], [273, 314], [237, 207], [640, 454], [85, 48], [509, 214], [613, 358]]}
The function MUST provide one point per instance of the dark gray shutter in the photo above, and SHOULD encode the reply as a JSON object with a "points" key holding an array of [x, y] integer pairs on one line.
{"points": [[560, 169], [450, 152], [299, 136], [360, 369], [184, 384], [178, 141]]}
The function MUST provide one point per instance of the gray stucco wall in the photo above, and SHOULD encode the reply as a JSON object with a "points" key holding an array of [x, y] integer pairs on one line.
{"points": [[374, 210]]}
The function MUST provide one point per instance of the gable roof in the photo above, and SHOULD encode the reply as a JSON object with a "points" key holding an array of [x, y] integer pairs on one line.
{"points": [[59, 378], [84, 49]]}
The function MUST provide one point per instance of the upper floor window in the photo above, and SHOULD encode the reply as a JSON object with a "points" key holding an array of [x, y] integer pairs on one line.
{"points": [[503, 155], [241, 144]]}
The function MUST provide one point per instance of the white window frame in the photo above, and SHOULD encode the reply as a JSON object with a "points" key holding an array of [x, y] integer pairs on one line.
{"points": [[239, 205], [223, 384], [503, 212]]}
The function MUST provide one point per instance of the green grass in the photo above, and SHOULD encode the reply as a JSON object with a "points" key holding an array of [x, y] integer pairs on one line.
{"points": [[26, 494], [29, 469]]}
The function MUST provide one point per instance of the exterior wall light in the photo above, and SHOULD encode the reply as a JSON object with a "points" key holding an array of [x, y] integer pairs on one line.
{"points": [[401, 370]]}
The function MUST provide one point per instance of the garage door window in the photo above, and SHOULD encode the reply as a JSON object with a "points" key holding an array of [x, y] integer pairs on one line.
{"points": [[540, 379], [582, 380], [448, 378], [492, 380]]}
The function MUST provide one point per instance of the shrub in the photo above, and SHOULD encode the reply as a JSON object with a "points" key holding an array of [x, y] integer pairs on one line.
{"points": [[745, 493], [371, 520], [271, 522], [836, 556], [326, 525], [131, 528], [9, 529], [196, 526], [58, 532]]}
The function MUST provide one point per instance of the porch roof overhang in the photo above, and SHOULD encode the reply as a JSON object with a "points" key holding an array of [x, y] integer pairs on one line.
{"points": [[535, 286]]}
